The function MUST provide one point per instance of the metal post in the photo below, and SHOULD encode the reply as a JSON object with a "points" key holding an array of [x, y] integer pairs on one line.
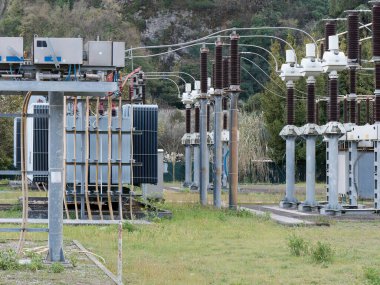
{"points": [[353, 172], [56, 187], [196, 164], [204, 161], [187, 166], [233, 145], [120, 254], [217, 151], [83, 158], [310, 171], [332, 184], [290, 166]]}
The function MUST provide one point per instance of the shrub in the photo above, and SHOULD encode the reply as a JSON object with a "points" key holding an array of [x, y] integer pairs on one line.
{"points": [[297, 245], [8, 259], [372, 275], [57, 267], [322, 253]]}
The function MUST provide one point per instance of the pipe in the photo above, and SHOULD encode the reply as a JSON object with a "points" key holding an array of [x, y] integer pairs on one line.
{"points": [[56, 162], [218, 116], [234, 123], [204, 158], [188, 148]]}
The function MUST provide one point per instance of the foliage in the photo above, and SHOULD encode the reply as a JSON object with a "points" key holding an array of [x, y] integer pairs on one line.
{"points": [[36, 262], [297, 245], [8, 259], [74, 259], [372, 275], [57, 267], [171, 128], [322, 253]]}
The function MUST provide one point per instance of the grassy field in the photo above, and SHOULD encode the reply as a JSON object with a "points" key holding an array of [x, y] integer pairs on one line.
{"points": [[200, 245], [205, 246]]}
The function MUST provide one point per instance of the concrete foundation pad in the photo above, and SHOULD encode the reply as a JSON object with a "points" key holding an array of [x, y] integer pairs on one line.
{"points": [[330, 212], [291, 211], [288, 205], [307, 208]]}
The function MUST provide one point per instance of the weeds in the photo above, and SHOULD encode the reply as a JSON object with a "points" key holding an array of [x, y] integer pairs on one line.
{"points": [[372, 275], [57, 267], [8, 259], [297, 245], [36, 263], [322, 253], [74, 260], [129, 227]]}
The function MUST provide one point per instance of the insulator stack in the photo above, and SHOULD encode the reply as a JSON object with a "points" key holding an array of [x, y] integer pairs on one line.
{"points": [[196, 121], [143, 93], [188, 120], [219, 66], [373, 112], [358, 117], [377, 87], [345, 111], [377, 109], [330, 30], [213, 76], [225, 118], [234, 58], [376, 30], [317, 113], [204, 52], [353, 36], [208, 118], [353, 80], [333, 106], [290, 105], [239, 69], [226, 73], [367, 111], [311, 103], [321, 50]]}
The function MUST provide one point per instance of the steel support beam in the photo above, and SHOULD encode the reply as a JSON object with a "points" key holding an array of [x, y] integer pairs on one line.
{"points": [[234, 146], [218, 149], [196, 169], [187, 182], [204, 154], [56, 187]]}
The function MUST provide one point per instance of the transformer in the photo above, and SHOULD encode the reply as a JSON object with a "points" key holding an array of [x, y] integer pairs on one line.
{"points": [[11, 50], [49, 51]]}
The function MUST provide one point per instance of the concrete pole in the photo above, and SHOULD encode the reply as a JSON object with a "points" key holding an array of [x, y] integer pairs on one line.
{"points": [[56, 187], [290, 166], [218, 148], [196, 164], [233, 145], [204, 159], [333, 143], [310, 171], [187, 166]]}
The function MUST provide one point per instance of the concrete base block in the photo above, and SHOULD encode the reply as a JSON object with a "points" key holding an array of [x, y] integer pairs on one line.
{"points": [[330, 212]]}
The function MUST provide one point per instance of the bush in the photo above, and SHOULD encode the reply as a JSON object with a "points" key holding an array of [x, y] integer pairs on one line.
{"points": [[8, 259], [297, 245], [322, 253], [372, 275], [57, 267]]}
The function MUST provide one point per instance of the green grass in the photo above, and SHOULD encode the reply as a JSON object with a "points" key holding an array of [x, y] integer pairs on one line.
{"points": [[206, 246]]}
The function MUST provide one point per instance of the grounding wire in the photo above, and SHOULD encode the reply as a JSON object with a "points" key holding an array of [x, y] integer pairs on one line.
{"points": [[166, 78], [174, 72], [155, 74]]}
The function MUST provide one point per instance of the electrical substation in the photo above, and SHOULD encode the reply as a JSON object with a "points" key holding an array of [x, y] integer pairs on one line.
{"points": [[87, 136]]}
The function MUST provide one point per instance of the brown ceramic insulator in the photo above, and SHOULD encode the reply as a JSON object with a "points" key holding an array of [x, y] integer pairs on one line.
{"points": [[224, 103], [196, 121], [330, 30], [358, 114], [213, 76], [377, 75], [143, 93], [377, 108], [321, 50], [367, 111], [311, 103], [226, 73], [188, 120], [373, 112], [208, 117], [239, 69], [345, 115], [352, 80], [333, 106], [234, 58], [376, 30], [353, 36], [219, 66], [204, 53], [225, 121], [353, 111], [317, 113], [290, 106]]}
